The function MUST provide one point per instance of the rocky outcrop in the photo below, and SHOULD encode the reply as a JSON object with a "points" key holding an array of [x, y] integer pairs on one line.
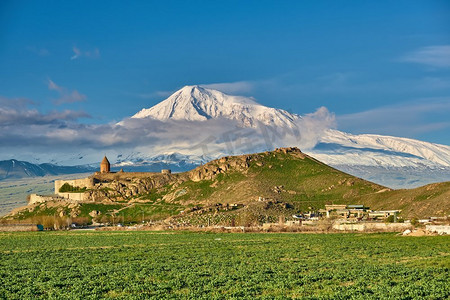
{"points": [[121, 186], [233, 163]]}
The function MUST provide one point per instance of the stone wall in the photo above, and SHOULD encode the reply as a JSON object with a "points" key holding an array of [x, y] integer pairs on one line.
{"points": [[35, 198], [74, 196], [18, 227], [395, 227], [101, 177], [87, 183]]}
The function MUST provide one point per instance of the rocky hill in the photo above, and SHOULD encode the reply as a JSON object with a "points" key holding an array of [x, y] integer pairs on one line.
{"points": [[285, 174], [241, 188]]}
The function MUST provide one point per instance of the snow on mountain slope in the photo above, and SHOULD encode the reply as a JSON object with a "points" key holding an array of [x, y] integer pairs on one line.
{"points": [[195, 103], [340, 148], [173, 159], [437, 153]]}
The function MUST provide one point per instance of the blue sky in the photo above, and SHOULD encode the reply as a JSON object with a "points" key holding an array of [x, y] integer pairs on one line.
{"points": [[381, 66]]}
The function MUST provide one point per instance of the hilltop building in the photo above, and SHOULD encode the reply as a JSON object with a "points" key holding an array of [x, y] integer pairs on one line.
{"points": [[105, 166], [83, 189]]}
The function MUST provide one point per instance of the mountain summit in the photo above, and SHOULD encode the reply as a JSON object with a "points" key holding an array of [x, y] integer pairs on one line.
{"points": [[195, 103], [390, 161]]}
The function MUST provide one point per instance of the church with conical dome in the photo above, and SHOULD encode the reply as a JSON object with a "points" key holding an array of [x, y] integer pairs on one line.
{"points": [[105, 166]]}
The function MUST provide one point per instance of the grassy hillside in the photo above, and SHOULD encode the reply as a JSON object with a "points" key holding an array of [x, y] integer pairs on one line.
{"points": [[291, 177], [425, 201], [284, 176]]}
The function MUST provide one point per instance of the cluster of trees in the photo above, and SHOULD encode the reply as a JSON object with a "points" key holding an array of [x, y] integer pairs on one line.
{"points": [[67, 188], [58, 223]]}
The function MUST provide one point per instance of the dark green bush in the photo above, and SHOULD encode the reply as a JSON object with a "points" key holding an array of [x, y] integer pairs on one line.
{"points": [[67, 188], [390, 219]]}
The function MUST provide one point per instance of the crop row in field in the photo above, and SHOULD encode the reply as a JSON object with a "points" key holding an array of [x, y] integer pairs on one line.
{"points": [[142, 265]]}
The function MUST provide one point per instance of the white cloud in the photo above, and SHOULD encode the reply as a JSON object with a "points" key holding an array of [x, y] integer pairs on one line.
{"points": [[433, 56], [65, 96], [53, 86], [77, 53], [16, 112], [311, 128]]}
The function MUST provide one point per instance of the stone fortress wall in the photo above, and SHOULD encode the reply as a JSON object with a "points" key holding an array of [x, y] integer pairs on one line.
{"points": [[74, 196], [35, 198], [83, 182]]}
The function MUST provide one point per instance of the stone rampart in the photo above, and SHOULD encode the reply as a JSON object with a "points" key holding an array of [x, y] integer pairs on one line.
{"points": [[74, 196], [35, 198]]}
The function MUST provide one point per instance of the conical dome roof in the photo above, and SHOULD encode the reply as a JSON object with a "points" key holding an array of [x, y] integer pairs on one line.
{"points": [[105, 160], [105, 166]]}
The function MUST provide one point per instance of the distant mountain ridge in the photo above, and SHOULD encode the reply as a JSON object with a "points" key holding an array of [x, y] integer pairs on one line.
{"points": [[14, 169]]}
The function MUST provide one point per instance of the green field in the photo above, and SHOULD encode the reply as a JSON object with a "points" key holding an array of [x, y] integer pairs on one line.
{"points": [[142, 265]]}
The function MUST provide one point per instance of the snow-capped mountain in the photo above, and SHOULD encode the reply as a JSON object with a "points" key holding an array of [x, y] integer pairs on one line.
{"points": [[195, 103], [390, 161], [394, 161], [337, 147], [174, 161]]}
